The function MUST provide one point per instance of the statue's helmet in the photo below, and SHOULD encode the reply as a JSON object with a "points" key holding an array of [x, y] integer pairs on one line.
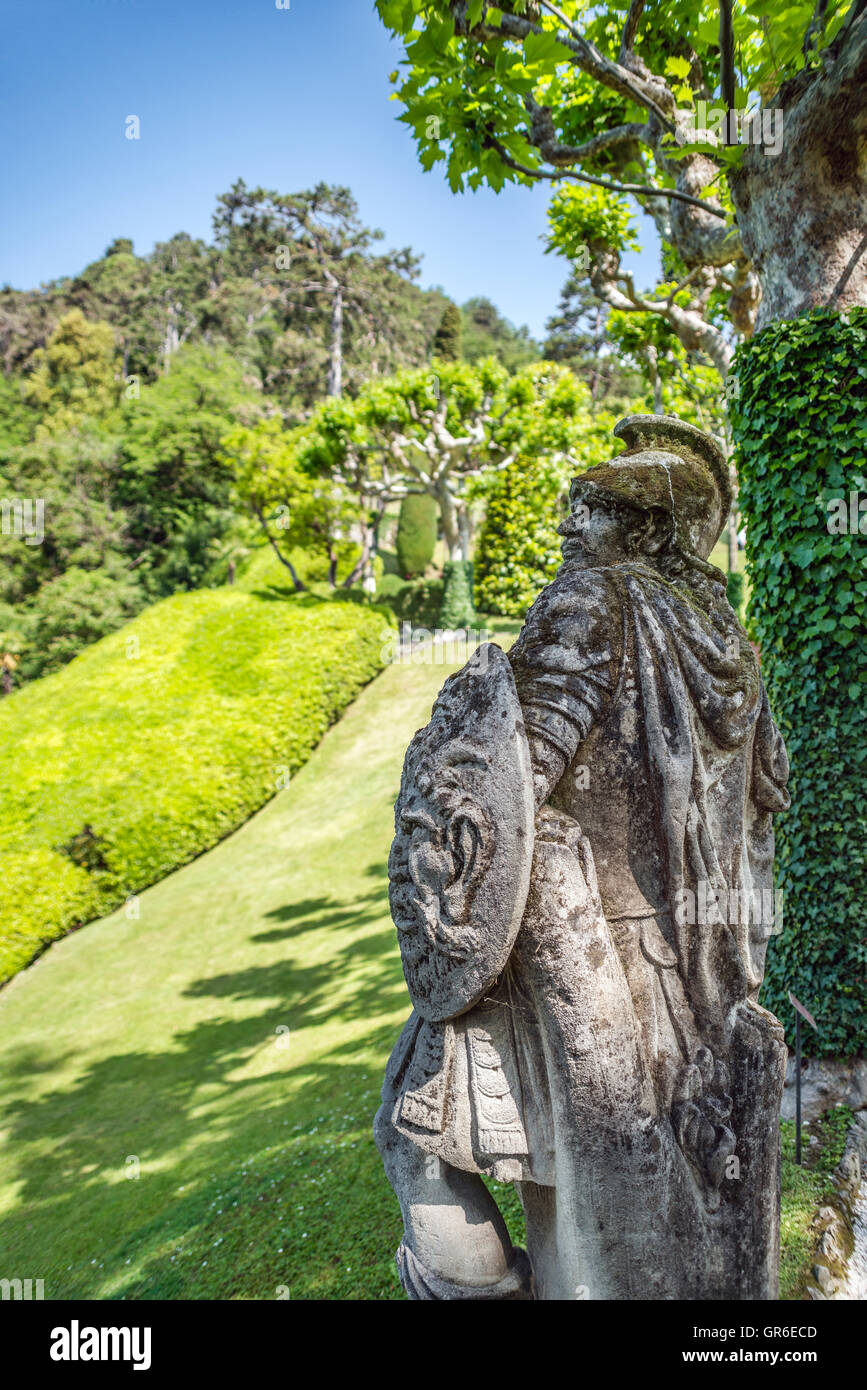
{"points": [[672, 466]]}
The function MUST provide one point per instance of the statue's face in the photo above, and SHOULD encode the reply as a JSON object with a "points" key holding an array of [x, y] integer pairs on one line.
{"points": [[594, 534]]}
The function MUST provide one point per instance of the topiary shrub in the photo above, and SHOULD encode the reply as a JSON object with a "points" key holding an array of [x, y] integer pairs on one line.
{"points": [[457, 609], [416, 534], [518, 549], [800, 429]]}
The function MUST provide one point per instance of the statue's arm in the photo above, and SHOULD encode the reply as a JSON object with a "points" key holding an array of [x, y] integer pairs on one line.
{"points": [[565, 664], [549, 764]]}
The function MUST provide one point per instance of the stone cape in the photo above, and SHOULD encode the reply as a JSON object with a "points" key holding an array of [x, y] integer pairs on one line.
{"points": [[621, 1060]]}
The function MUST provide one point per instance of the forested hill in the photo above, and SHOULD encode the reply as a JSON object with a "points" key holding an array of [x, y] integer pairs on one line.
{"points": [[295, 285]]}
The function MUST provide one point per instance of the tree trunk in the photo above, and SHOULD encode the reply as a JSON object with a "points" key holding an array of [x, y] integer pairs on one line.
{"points": [[655, 379], [171, 338], [335, 369], [299, 587], [363, 567], [597, 339], [451, 529], [802, 213], [733, 538]]}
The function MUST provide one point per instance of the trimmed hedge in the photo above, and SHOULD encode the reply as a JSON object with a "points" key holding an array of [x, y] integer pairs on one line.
{"points": [[160, 740], [800, 427], [416, 533], [418, 601]]}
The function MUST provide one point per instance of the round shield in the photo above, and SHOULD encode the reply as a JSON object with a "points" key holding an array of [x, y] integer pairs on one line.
{"points": [[460, 862]]}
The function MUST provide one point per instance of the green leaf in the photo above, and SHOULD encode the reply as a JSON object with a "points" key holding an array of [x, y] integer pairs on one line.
{"points": [[677, 67], [544, 48]]}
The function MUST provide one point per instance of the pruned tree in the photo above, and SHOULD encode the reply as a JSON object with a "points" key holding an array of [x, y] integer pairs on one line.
{"points": [[441, 431], [445, 429], [423, 430], [608, 96], [438, 429]]}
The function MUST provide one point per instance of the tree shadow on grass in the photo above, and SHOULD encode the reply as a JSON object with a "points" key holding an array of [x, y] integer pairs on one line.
{"points": [[180, 1110], [313, 913], [247, 1219], [310, 993], [305, 599]]}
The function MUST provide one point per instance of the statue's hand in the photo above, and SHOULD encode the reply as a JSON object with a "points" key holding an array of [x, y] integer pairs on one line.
{"points": [[557, 828]]}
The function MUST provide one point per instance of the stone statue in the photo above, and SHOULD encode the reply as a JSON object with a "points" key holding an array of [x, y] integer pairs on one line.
{"points": [[581, 881]]}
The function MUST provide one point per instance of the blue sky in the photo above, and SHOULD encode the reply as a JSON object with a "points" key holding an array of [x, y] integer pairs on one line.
{"points": [[226, 89]]}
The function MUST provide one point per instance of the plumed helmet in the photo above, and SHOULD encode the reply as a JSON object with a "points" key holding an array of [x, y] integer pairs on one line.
{"points": [[671, 465]]}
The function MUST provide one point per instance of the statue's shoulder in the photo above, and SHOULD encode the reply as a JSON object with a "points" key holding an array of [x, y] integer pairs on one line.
{"points": [[579, 607]]}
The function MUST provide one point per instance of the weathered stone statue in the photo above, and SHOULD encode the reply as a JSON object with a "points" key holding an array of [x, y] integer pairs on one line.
{"points": [[581, 881]]}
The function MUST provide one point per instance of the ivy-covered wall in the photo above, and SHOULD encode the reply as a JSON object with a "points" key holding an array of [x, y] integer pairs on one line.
{"points": [[800, 429]]}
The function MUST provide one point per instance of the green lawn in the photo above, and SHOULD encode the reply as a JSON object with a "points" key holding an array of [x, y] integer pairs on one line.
{"points": [[160, 1044]]}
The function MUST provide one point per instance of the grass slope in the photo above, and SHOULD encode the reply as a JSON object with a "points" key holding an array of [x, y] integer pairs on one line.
{"points": [[159, 740]]}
